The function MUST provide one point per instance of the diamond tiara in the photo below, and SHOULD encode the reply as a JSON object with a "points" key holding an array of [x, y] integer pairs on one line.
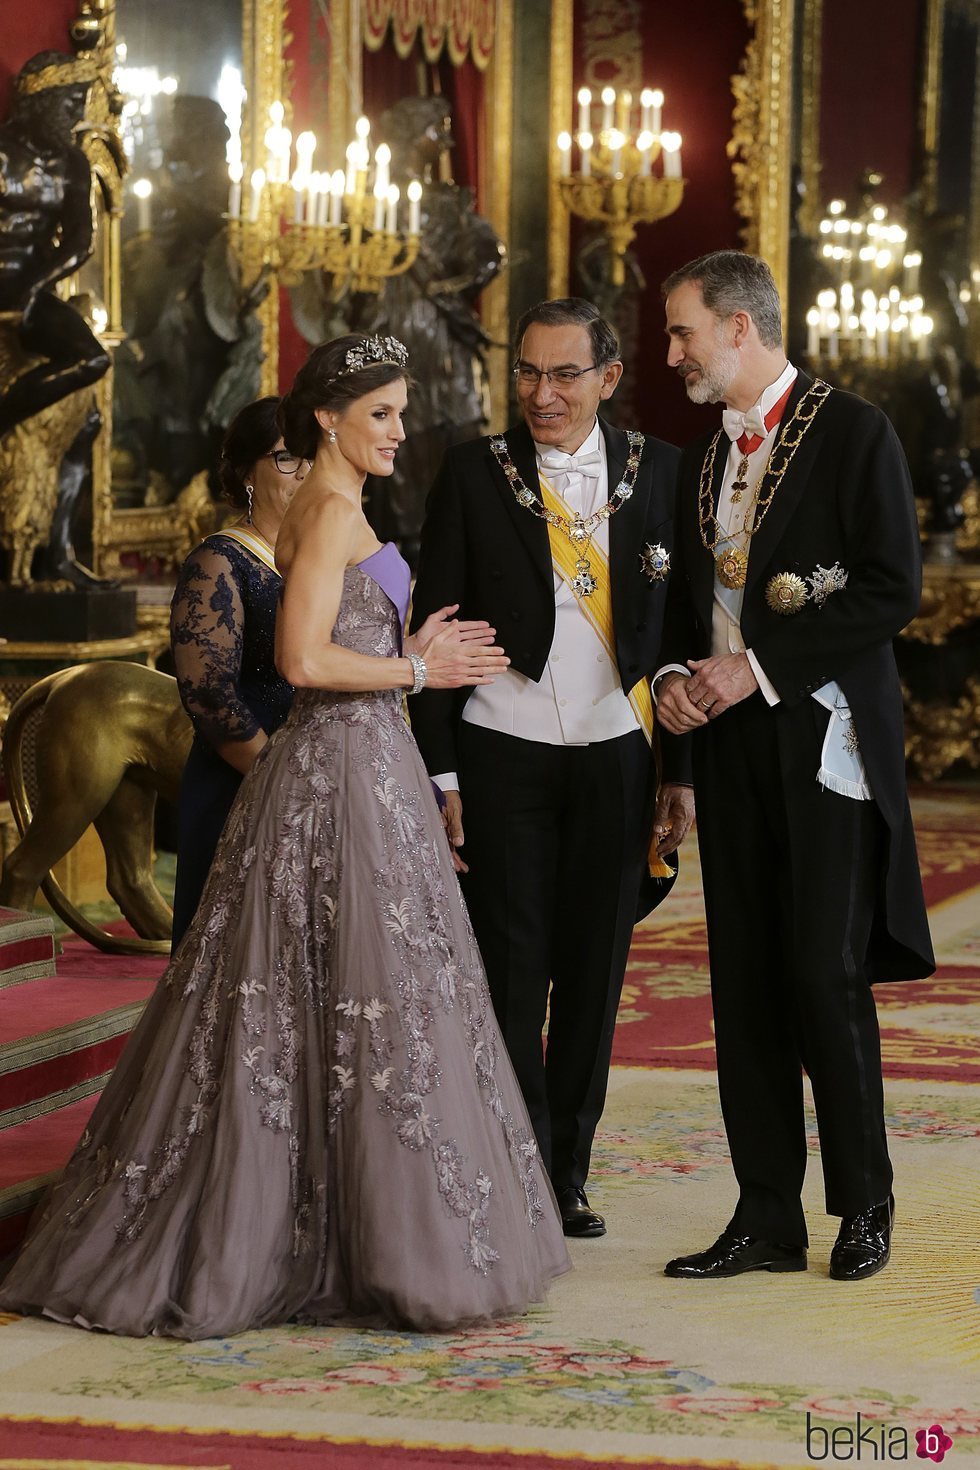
{"points": [[372, 351]]}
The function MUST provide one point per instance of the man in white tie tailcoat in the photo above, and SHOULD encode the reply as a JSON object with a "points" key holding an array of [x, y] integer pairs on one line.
{"points": [[559, 532], [796, 563]]}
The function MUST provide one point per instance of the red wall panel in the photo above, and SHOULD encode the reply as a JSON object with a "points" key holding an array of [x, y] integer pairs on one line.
{"points": [[869, 95], [27, 29], [691, 53]]}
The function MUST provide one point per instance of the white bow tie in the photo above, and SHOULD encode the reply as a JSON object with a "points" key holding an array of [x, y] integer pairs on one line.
{"points": [[736, 424], [570, 464]]}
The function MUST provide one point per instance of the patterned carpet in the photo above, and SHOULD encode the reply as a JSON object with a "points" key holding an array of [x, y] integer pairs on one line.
{"points": [[622, 1366]]}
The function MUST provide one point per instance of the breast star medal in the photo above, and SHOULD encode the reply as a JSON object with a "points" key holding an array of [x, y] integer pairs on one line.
{"points": [[655, 561], [732, 566], [786, 593]]}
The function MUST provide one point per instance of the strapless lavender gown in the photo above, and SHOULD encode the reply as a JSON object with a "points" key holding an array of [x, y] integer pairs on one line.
{"points": [[316, 1117]]}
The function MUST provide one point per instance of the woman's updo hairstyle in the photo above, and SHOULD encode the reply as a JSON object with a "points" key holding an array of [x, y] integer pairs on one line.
{"points": [[252, 433], [333, 378]]}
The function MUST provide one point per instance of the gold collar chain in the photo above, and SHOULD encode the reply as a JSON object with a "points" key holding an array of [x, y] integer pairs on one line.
{"points": [[580, 529], [733, 564]]}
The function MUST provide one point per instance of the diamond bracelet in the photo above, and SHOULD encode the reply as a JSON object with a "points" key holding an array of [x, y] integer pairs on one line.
{"points": [[419, 670]]}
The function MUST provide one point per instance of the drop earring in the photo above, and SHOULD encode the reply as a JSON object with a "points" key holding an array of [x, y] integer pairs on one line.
{"points": [[248, 496], [331, 436]]}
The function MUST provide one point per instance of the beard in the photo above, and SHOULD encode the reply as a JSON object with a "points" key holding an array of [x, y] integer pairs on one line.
{"points": [[716, 376]]}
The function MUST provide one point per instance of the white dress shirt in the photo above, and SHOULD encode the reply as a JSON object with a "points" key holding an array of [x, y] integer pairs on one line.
{"points": [[579, 698]]}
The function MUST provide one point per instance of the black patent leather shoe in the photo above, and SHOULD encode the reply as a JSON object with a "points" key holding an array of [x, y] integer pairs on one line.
{"points": [[733, 1254], [864, 1243], [577, 1215]]}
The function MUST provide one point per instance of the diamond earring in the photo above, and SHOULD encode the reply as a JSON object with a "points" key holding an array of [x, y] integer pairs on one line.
{"points": [[248, 496], [332, 436]]}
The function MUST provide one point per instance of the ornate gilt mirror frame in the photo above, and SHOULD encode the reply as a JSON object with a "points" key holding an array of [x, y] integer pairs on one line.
{"points": [[761, 143]]}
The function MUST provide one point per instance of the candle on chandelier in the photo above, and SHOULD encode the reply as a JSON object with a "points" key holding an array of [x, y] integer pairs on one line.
{"points": [[353, 159], [337, 186], [391, 222], [912, 262], [813, 333], [585, 141], [656, 105], [564, 154], [616, 143], [645, 145], [382, 163], [624, 103], [584, 107], [313, 185], [608, 103], [142, 188], [305, 149], [235, 175], [298, 185], [380, 200], [671, 145], [258, 184], [414, 207]]}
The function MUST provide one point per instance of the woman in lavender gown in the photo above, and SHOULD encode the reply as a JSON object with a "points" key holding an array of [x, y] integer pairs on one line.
{"points": [[316, 1118]]}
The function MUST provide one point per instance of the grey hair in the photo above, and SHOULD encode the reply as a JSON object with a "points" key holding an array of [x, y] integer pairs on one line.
{"points": [[573, 311], [731, 281]]}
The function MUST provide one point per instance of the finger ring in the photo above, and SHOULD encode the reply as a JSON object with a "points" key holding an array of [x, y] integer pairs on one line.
{"points": [[705, 703]]}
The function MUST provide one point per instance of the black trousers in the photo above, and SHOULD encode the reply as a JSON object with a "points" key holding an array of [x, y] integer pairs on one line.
{"points": [[556, 840], [792, 873]]}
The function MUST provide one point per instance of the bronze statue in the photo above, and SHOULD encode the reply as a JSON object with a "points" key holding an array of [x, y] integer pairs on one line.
{"points": [[49, 356], [110, 738]]}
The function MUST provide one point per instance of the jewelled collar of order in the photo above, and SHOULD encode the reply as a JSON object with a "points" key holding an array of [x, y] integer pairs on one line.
{"points": [[581, 528], [787, 444]]}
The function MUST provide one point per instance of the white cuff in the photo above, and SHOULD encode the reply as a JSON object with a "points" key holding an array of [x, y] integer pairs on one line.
{"points": [[764, 684], [448, 781], [667, 669]]}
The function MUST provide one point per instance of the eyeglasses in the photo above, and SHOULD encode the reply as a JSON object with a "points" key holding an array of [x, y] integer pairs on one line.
{"points": [[530, 377], [286, 463]]}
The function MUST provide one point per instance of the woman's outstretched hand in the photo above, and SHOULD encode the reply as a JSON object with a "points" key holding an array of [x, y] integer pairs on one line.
{"points": [[454, 660], [437, 622]]}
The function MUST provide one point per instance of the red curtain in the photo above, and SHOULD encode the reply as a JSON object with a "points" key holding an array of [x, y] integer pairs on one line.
{"points": [[878, 55], [28, 29]]}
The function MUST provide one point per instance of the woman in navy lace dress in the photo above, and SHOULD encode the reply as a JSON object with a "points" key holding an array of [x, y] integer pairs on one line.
{"points": [[222, 630]]}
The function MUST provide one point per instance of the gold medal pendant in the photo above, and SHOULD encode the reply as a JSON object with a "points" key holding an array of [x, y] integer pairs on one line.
{"points": [[732, 567], [584, 584]]}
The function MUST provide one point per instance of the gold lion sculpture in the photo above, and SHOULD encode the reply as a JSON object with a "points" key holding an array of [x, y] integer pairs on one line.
{"points": [[110, 738]]}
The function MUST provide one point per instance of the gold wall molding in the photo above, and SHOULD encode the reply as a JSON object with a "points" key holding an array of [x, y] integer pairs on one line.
{"points": [[495, 306], [939, 735], [263, 44], [810, 75], [929, 101], [761, 142], [560, 118]]}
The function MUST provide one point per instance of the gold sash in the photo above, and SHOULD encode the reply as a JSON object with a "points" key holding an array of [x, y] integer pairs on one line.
{"points": [[598, 607], [598, 610], [257, 545]]}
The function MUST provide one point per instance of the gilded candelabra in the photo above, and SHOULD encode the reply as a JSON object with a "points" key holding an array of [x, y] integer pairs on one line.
{"points": [[615, 185], [306, 220]]}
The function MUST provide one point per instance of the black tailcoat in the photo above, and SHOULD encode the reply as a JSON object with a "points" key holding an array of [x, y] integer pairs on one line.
{"points": [[484, 551], [846, 499]]}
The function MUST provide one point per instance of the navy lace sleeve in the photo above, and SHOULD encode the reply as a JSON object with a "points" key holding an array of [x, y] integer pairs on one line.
{"points": [[207, 632]]}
